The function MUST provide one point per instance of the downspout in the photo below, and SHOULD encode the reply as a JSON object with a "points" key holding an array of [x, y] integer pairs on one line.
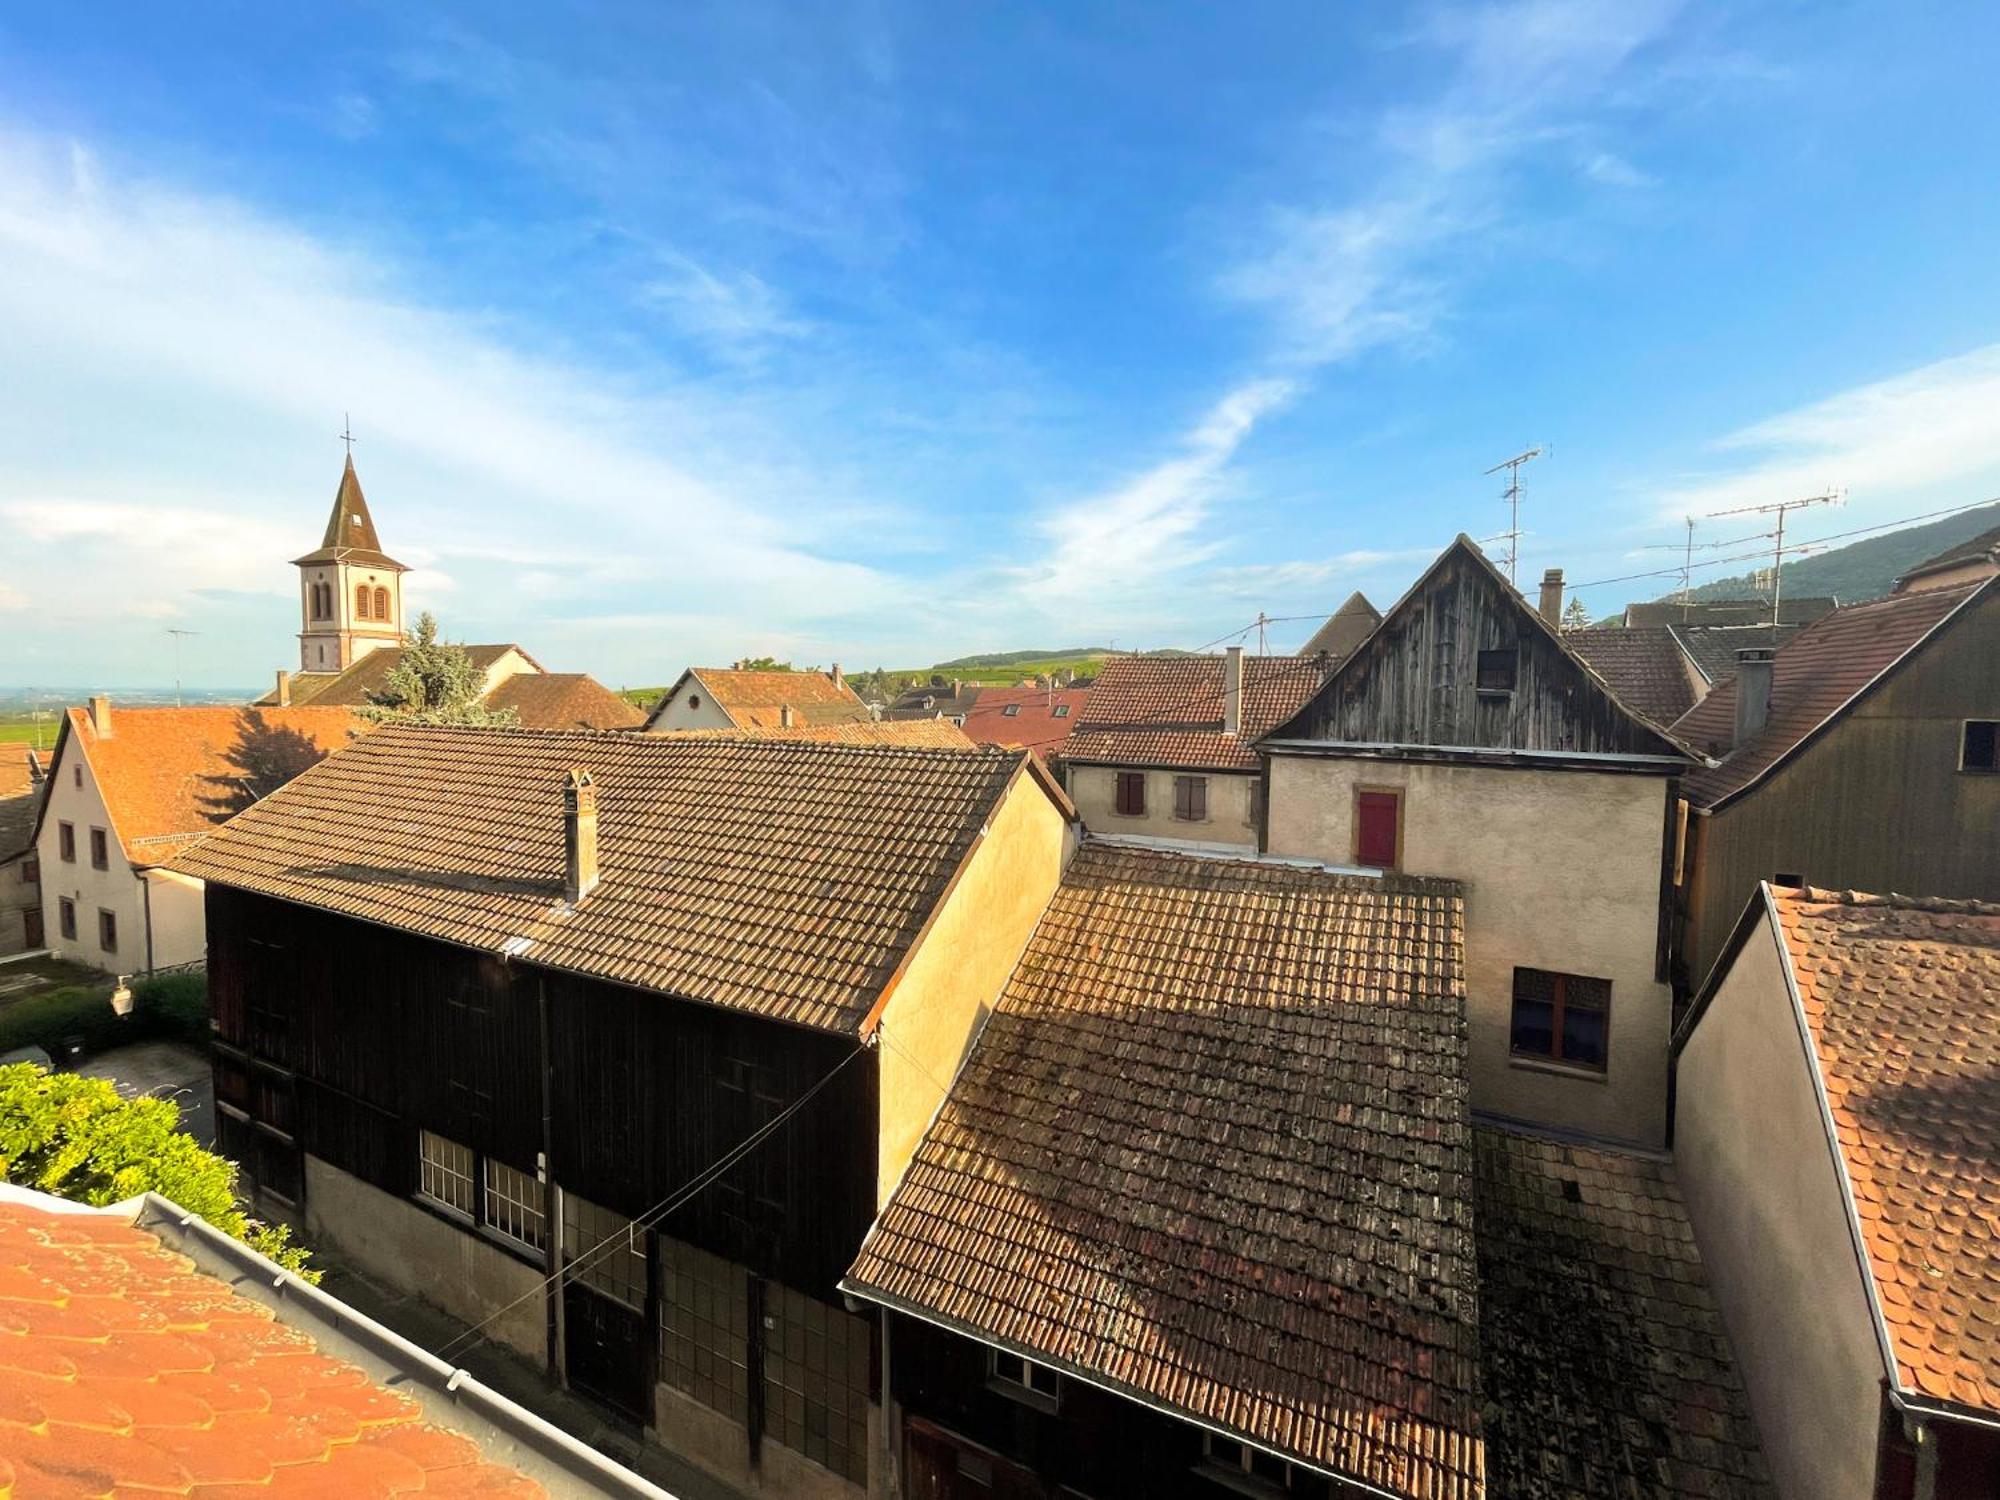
{"points": [[551, 1203], [146, 899]]}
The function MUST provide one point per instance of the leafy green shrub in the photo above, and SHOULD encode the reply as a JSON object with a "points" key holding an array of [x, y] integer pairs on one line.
{"points": [[75, 1010], [172, 1005], [79, 1139]]}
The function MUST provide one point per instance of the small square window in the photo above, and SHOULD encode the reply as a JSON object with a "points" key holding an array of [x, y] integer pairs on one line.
{"points": [[76, 774], [100, 850], [1563, 1018], [1060, 711], [1497, 670], [444, 1172], [31, 872], [1980, 749], [1023, 1379], [1011, 711], [107, 930], [1132, 794], [66, 842], [66, 917]]}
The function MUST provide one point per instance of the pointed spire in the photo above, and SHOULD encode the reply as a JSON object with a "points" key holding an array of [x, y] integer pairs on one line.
{"points": [[350, 530]]}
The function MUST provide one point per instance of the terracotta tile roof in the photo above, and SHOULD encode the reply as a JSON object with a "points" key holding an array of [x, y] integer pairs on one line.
{"points": [[563, 700], [357, 686], [1033, 725], [910, 734], [926, 702], [1606, 1367], [20, 798], [1800, 610], [772, 876], [1212, 1150], [1972, 549], [1346, 628], [350, 530], [756, 700], [1167, 710], [1815, 675], [1644, 666], [124, 1370], [171, 775], [1902, 998], [1714, 647]]}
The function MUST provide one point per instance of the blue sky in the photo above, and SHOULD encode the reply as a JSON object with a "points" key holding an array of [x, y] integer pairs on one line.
{"points": [[883, 333]]}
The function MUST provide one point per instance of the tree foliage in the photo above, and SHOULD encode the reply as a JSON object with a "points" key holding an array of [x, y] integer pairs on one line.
{"points": [[765, 664], [78, 1138], [434, 682], [1576, 617]]}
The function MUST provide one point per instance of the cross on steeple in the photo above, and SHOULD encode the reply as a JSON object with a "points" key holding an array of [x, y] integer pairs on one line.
{"points": [[347, 433]]}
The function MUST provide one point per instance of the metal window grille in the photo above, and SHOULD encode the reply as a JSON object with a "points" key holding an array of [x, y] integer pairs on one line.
{"points": [[705, 1328], [816, 1381], [619, 1271], [444, 1172], [514, 1204]]}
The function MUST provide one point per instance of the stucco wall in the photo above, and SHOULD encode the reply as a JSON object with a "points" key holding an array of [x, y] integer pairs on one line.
{"points": [[683, 713], [1751, 1152], [418, 1252], [717, 1445], [178, 918], [116, 889], [1561, 871], [18, 896], [960, 966], [1094, 789]]}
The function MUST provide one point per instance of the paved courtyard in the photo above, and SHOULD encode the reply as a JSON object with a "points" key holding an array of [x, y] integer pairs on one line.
{"points": [[165, 1070]]}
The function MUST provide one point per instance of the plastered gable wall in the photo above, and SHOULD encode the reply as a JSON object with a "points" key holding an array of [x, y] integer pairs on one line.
{"points": [[1758, 1177], [684, 713], [960, 966], [1094, 789], [115, 889], [1561, 871]]}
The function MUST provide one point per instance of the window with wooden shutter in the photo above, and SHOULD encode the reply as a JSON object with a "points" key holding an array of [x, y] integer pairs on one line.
{"points": [[1191, 798], [1378, 828], [1132, 794]]}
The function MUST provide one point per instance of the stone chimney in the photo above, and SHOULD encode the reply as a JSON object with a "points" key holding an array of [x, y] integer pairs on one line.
{"points": [[282, 694], [839, 681], [100, 716], [1232, 690], [579, 836], [1552, 598], [785, 720], [1753, 691]]}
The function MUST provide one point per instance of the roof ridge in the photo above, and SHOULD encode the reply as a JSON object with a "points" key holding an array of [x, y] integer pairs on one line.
{"points": [[1945, 905]]}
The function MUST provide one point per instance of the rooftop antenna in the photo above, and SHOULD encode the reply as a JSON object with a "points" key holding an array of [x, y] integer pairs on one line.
{"points": [[1687, 566], [1512, 495], [1262, 619], [1781, 509], [347, 434], [177, 634]]}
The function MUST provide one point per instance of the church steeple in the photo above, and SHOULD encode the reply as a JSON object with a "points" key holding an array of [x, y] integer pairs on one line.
{"points": [[351, 591]]}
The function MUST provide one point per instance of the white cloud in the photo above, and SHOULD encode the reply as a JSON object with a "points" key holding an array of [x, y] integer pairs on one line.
{"points": [[734, 312], [1927, 433], [143, 559]]}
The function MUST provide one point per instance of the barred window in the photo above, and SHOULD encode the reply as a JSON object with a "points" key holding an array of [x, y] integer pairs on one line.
{"points": [[514, 1204], [444, 1172], [619, 1272], [816, 1381], [705, 1328]]}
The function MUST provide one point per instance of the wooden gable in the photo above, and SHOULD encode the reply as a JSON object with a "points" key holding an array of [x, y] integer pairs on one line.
{"points": [[1417, 680]]}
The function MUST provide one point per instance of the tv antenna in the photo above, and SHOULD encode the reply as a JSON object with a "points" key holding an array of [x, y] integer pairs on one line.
{"points": [[1512, 495], [177, 634], [1781, 509]]}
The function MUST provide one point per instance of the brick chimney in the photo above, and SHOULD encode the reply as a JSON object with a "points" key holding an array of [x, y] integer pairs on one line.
{"points": [[579, 836], [1753, 691], [1552, 597], [839, 681], [100, 716], [785, 716], [1232, 690], [282, 694]]}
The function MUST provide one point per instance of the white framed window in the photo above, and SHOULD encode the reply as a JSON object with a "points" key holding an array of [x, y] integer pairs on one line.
{"points": [[444, 1173], [513, 1206], [1027, 1382], [1244, 1468]]}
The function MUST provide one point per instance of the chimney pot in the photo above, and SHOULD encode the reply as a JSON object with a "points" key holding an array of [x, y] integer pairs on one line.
{"points": [[100, 716], [838, 680], [579, 836], [784, 715], [1552, 597], [1754, 666], [1232, 690], [283, 694]]}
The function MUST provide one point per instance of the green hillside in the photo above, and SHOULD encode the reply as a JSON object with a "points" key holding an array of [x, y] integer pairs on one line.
{"points": [[1866, 569]]}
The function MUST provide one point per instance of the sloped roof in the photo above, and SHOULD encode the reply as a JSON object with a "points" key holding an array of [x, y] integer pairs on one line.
{"points": [[1801, 610], [123, 1370], [910, 734], [1814, 677], [170, 775], [350, 530], [1346, 628], [926, 702], [756, 700], [1167, 710], [1644, 665], [358, 684], [1212, 1150], [1902, 998], [1606, 1367], [563, 700], [1034, 723], [768, 875], [1713, 648], [20, 798], [1972, 549]]}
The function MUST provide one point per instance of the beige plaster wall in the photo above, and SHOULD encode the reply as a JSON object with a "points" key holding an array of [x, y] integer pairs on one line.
{"points": [[1094, 789], [713, 1443], [1751, 1153], [1561, 871], [960, 965], [18, 896], [510, 663], [679, 715], [178, 918], [116, 889], [418, 1252]]}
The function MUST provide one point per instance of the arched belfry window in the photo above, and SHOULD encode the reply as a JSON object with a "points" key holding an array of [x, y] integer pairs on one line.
{"points": [[381, 604], [361, 601]]}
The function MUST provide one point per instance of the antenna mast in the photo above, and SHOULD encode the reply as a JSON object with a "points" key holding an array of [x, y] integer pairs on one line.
{"points": [[177, 634], [1512, 495], [1778, 548]]}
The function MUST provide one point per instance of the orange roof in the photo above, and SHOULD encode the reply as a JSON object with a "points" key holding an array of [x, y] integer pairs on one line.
{"points": [[170, 775], [912, 734], [123, 1368], [1167, 710], [756, 700], [563, 700], [1902, 997], [1026, 718]]}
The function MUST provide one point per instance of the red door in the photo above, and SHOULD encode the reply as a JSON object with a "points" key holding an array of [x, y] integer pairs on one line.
{"points": [[1376, 820]]}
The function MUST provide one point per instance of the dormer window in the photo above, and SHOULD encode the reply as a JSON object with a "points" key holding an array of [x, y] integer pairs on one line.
{"points": [[1011, 711], [1497, 669]]}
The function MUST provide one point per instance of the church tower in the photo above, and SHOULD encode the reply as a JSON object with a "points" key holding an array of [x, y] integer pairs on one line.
{"points": [[350, 590]]}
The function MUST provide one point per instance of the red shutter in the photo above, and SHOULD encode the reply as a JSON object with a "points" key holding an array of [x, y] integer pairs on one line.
{"points": [[1375, 832]]}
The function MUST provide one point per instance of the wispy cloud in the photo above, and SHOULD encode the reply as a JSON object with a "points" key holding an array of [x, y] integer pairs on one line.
{"points": [[736, 313]]}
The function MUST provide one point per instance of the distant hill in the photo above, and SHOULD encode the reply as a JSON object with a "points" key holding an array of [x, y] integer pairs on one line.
{"points": [[1861, 570], [1015, 658]]}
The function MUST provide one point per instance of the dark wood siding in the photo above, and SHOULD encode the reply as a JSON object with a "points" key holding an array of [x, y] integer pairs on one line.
{"points": [[1415, 681], [385, 1034], [1875, 804]]}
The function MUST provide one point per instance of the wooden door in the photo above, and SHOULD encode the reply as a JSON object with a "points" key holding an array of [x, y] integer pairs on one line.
{"points": [[940, 1465], [31, 920], [608, 1353]]}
